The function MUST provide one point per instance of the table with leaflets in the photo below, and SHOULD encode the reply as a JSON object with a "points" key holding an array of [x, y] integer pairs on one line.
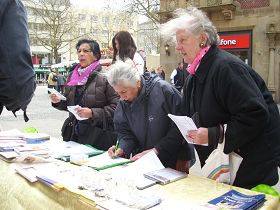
{"points": [[18, 193], [192, 192]]}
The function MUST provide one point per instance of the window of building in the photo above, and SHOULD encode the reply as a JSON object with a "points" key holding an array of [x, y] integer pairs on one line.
{"points": [[94, 18], [105, 20], [82, 30], [82, 16]]}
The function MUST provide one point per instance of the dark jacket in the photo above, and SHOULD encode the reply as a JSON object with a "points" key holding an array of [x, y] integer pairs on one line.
{"points": [[133, 127], [17, 81], [225, 90], [99, 96]]}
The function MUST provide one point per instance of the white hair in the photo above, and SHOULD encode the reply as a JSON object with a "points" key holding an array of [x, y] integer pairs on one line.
{"points": [[123, 72], [192, 20]]}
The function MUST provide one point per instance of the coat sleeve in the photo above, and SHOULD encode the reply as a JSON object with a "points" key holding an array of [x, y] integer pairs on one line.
{"points": [[17, 80], [108, 110], [248, 111], [173, 142], [125, 135]]}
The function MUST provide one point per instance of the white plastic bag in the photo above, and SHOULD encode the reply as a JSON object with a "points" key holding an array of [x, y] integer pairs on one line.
{"points": [[217, 165], [220, 166]]}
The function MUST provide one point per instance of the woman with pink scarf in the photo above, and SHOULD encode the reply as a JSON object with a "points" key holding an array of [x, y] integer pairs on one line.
{"points": [[94, 98], [222, 89]]}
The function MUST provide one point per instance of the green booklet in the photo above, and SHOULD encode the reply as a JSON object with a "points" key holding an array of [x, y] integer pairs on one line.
{"points": [[71, 148]]}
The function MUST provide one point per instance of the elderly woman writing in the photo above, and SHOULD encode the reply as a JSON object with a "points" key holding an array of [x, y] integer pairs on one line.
{"points": [[141, 117], [89, 89], [222, 89]]}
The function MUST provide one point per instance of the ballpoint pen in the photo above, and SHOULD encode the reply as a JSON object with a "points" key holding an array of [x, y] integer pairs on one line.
{"points": [[116, 147]]}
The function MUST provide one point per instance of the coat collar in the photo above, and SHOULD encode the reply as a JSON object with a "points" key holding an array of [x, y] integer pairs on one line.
{"points": [[205, 64]]}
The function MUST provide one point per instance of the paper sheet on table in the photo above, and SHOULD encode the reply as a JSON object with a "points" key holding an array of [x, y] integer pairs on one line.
{"points": [[148, 162], [54, 91], [184, 124], [104, 160], [74, 112]]}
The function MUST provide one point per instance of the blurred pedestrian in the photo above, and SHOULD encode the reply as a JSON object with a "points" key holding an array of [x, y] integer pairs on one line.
{"points": [[125, 50]]}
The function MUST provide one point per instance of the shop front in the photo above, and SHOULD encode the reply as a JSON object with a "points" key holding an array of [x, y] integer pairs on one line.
{"points": [[238, 43]]}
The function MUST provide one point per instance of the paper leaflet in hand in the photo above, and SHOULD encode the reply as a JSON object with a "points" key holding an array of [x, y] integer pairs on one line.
{"points": [[184, 124], [72, 109], [54, 91]]}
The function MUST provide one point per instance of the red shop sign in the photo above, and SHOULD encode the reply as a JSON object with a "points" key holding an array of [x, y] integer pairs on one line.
{"points": [[235, 41]]}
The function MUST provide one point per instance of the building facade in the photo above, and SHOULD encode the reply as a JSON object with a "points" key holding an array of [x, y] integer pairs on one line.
{"points": [[60, 24], [249, 29]]}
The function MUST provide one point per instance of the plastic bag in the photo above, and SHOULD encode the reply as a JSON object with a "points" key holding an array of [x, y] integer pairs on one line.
{"points": [[222, 167]]}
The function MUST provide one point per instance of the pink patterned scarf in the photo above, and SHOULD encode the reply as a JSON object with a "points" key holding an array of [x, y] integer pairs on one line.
{"points": [[81, 79], [194, 65]]}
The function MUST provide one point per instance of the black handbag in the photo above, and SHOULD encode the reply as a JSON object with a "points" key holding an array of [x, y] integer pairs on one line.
{"points": [[100, 138], [67, 128]]}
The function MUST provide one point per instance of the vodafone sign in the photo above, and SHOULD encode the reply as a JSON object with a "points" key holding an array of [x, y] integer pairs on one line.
{"points": [[235, 41]]}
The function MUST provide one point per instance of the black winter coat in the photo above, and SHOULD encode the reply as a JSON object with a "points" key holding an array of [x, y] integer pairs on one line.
{"points": [[224, 90], [17, 77]]}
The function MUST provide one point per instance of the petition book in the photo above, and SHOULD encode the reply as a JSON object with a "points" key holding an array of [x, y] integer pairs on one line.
{"points": [[165, 175], [237, 200]]}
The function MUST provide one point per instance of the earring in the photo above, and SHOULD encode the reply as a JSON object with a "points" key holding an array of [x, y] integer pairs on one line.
{"points": [[202, 45]]}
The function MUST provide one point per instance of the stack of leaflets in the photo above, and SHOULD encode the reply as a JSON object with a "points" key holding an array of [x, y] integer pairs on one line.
{"points": [[32, 138], [237, 200]]}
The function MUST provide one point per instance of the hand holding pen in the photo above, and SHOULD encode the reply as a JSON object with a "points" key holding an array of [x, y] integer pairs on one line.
{"points": [[115, 150]]}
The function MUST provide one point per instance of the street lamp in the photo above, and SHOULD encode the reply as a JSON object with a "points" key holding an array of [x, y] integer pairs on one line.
{"points": [[167, 50]]}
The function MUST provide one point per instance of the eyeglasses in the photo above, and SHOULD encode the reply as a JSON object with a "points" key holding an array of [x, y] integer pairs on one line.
{"points": [[84, 51]]}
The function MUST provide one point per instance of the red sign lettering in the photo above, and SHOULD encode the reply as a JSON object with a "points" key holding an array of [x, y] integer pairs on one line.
{"points": [[235, 41]]}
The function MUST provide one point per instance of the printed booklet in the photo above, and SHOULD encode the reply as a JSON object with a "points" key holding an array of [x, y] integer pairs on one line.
{"points": [[237, 200]]}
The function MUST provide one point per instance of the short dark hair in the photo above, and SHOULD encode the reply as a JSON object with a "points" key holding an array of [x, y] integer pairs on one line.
{"points": [[94, 46], [127, 46]]}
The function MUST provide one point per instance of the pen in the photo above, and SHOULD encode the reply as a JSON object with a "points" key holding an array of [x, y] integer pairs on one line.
{"points": [[116, 147]]}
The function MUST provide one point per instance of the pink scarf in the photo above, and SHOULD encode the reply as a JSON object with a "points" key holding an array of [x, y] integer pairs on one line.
{"points": [[77, 79], [194, 65]]}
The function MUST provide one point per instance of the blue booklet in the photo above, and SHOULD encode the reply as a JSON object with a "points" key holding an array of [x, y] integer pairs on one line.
{"points": [[237, 200]]}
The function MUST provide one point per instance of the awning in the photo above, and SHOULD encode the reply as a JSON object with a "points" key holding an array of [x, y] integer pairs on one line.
{"points": [[45, 70]]}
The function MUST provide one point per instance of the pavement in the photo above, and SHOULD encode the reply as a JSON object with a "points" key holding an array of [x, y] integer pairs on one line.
{"points": [[47, 119]]}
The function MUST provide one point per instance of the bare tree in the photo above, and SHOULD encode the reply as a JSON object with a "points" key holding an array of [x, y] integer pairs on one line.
{"points": [[148, 8], [54, 23], [148, 36]]}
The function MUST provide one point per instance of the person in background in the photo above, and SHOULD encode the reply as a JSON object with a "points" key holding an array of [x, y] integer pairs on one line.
{"points": [[52, 80], [88, 88], [141, 119], [60, 82], [125, 50], [221, 89], [17, 77], [177, 77], [160, 72]]}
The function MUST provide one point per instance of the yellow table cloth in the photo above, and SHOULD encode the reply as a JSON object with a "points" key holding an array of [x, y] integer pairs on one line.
{"points": [[17, 193]]}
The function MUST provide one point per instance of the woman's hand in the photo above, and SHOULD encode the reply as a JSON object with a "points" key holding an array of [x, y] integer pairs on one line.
{"points": [[84, 112], [139, 155], [112, 153], [54, 98], [199, 136]]}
